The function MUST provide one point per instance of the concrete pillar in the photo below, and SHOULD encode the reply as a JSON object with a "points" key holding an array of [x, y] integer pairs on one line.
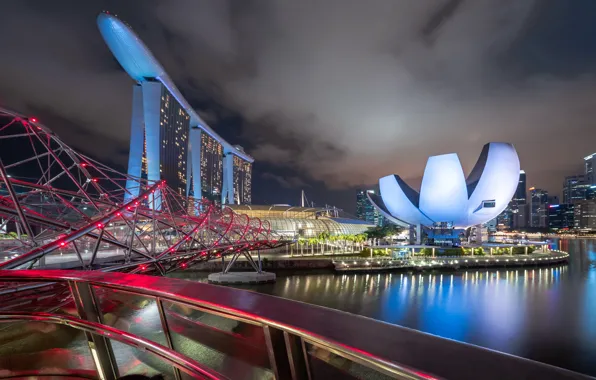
{"points": [[433, 252], [526, 249], [135, 153], [227, 194]]}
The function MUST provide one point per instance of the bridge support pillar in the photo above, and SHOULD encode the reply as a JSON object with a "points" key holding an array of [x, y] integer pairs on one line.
{"points": [[256, 277]]}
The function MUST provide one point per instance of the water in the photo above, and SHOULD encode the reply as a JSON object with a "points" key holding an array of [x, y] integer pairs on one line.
{"points": [[546, 314]]}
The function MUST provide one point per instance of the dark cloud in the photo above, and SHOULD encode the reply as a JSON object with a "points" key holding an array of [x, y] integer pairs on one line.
{"points": [[338, 91], [291, 182]]}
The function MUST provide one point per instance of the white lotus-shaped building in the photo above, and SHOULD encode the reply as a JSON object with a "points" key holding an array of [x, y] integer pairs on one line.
{"points": [[446, 196]]}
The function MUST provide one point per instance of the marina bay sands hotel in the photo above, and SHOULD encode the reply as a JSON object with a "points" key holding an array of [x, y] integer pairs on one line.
{"points": [[169, 140]]}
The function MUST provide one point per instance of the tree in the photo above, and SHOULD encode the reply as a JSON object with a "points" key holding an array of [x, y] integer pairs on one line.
{"points": [[312, 241], [359, 239], [323, 239], [301, 242]]}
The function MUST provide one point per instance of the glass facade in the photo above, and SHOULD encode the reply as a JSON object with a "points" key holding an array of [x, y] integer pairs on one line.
{"points": [[560, 216], [365, 209], [174, 128], [242, 181], [585, 215], [538, 208], [305, 222], [576, 188], [590, 164], [516, 215], [211, 168]]}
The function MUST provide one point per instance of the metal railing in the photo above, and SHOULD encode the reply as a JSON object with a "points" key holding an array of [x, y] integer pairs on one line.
{"points": [[184, 329]]}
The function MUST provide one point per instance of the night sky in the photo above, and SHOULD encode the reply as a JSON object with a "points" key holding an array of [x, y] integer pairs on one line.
{"points": [[327, 95]]}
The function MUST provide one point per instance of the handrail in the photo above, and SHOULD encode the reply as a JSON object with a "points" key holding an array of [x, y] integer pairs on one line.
{"points": [[174, 358], [388, 348]]}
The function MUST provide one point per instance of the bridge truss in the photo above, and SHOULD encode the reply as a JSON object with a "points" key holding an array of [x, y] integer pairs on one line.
{"points": [[63, 209]]}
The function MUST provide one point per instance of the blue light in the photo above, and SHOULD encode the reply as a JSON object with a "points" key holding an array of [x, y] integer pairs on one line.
{"points": [[553, 206]]}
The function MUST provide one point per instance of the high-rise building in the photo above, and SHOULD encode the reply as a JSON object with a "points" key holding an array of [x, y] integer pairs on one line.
{"points": [[159, 138], [365, 209], [169, 139], [520, 193], [590, 168], [173, 154], [576, 188], [211, 168], [561, 216], [538, 208], [242, 181], [585, 215], [516, 214]]}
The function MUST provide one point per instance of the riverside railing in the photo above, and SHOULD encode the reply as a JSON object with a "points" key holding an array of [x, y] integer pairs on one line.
{"points": [[115, 324]]}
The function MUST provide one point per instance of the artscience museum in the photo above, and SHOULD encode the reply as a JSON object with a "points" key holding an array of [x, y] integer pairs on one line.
{"points": [[447, 198]]}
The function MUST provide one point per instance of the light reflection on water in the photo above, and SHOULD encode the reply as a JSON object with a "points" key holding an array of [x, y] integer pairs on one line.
{"points": [[544, 313]]}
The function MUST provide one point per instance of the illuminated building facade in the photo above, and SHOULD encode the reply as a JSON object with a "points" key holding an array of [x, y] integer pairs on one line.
{"points": [[515, 215], [576, 188], [590, 168], [560, 216], [159, 138], [365, 209], [585, 215], [211, 157], [538, 208], [174, 128], [242, 181], [169, 140], [447, 199]]}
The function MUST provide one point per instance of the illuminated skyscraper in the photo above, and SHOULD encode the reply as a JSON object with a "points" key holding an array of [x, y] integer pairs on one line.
{"points": [[169, 140], [159, 138], [538, 208], [585, 215], [211, 168], [590, 168], [560, 216], [242, 181], [576, 188], [515, 215], [174, 127], [365, 209]]}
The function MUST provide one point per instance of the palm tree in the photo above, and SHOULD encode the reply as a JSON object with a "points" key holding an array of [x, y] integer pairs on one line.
{"points": [[323, 239], [350, 238], [361, 239], [312, 241], [301, 242]]}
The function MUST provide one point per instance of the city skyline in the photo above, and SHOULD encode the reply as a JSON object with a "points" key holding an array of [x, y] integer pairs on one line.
{"points": [[309, 124]]}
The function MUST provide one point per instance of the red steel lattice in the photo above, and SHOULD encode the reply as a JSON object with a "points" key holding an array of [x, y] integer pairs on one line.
{"points": [[67, 210]]}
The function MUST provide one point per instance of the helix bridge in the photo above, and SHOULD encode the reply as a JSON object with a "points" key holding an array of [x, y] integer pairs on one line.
{"points": [[67, 210]]}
